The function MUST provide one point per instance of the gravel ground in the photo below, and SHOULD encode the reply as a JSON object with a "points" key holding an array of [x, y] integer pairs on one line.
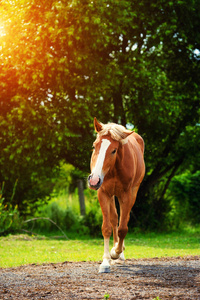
{"points": [[166, 278]]}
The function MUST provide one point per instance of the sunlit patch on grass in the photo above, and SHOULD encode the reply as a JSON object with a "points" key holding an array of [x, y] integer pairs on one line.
{"points": [[18, 250]]}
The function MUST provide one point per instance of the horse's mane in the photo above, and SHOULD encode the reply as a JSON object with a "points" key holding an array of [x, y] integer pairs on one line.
{"points": [[117, 132]]}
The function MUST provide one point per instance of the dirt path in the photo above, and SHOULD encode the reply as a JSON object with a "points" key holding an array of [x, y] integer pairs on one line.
{"points": [[166, 278]]}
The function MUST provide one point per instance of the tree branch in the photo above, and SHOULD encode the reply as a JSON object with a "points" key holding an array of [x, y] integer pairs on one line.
{"points": [[170, 177], [42, 218]]}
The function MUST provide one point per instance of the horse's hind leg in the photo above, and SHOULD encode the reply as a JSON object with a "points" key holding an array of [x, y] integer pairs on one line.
{"points": [[114, 220], [118, 249], [114, 223], [125, 207]]}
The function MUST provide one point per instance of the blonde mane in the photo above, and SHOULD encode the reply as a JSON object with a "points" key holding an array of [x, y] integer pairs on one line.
{"points": [[117, 132]]}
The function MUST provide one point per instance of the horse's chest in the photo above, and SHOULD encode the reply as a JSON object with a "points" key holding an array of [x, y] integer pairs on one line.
{"points": [[114, 186]]}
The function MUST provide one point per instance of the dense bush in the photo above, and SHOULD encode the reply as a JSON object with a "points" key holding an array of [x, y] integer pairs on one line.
{"points": [[64, 211], [9, 216], [184, 192], [93, 221], [182, 206], [66, 219]]}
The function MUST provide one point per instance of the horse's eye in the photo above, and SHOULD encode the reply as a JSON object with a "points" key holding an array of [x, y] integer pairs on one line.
{"points": [[114, 151]]}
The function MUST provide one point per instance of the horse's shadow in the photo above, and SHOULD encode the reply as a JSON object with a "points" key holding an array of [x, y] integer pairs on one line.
{"points": [[159, 273]]}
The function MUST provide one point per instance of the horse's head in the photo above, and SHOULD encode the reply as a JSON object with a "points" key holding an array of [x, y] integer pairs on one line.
{"points": [[102, 160], [105, 150]]}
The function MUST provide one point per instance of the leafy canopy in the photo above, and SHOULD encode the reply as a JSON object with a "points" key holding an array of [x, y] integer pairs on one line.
{"points": [[64, 62]]}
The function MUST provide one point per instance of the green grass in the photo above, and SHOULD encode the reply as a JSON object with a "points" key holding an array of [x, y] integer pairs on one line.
{"points": [[16, 250]]}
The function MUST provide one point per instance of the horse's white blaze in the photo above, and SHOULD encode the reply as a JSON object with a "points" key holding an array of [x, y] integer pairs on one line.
{"points": [[97, 170]]}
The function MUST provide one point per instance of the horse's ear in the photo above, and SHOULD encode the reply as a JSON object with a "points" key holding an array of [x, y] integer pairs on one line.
{"points": [[126, 134], [97, 125]]}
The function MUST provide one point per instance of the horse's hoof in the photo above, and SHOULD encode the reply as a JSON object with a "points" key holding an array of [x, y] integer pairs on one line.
{"points": [[113, 254], [104, 269], [119, 261], [105, 266]]}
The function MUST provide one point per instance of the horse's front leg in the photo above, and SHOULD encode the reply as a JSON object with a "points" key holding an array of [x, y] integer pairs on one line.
{"points": [[104, 201], [105, 265]]}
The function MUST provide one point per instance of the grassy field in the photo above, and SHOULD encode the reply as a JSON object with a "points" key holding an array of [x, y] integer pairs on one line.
{"points": [[16, 250]]}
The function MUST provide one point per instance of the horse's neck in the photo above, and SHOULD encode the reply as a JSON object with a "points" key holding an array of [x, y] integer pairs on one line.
{"points": [[125, 161]]}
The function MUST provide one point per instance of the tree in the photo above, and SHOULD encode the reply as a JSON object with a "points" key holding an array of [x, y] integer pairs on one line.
{"points": [[64, 62]]}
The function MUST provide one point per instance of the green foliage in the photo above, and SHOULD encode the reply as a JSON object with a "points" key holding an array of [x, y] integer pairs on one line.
{"points": [[93, 220], [64, 180], [184, 193], [66, 219], [62, 63], [63, 209], [9, 215], [30, 193]]}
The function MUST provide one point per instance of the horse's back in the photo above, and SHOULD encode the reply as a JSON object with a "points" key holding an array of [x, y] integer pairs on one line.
{"points": [[138, 157], [139, 140]]}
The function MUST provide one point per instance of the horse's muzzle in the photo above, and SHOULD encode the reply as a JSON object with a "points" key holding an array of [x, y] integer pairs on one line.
{"points": [[94, 182]]}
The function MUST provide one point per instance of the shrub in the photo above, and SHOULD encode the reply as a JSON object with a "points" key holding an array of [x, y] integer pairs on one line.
{"points": [[93, 219], [184, 192], [93, 222], [63, 209], [65, 218], [9, 216]]}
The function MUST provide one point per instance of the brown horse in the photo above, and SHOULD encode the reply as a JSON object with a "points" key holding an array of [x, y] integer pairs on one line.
{"points": [[117, 169]]}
